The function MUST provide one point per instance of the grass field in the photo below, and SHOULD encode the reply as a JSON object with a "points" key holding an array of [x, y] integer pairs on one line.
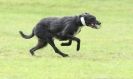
{"points": [[106, 53]]}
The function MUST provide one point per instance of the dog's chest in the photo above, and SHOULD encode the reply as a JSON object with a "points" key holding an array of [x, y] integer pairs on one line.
{"points": [[77, 31]]}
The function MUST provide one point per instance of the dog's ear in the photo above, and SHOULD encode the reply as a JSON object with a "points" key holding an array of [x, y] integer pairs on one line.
{"points": [[80, 15], [84, 14]]}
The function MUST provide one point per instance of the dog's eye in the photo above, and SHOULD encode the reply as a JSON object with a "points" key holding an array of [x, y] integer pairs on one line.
{"points": [[92, 19]]}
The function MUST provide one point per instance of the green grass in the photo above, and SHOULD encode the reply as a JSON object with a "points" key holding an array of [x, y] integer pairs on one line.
{"points": [[106, 53]]}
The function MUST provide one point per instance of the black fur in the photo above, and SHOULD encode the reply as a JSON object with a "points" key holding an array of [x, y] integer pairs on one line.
{"points": [[61, 28]]}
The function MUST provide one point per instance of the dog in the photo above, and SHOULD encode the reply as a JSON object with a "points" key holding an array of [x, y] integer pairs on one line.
{"points": [[61, 28]]}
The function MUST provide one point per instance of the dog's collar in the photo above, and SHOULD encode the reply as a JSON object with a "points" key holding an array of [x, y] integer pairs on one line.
{"points": [[83, 21]]}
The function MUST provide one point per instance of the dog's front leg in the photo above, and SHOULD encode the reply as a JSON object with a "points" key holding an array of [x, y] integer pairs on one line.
{"points": [[70, 37], [75, 39], [67, 43]]}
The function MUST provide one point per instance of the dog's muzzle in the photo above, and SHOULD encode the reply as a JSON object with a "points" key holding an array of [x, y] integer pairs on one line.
{"points": [[96, 25]]}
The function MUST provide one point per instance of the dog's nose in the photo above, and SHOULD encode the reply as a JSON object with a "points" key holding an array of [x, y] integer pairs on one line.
{"points": [[99, 23]]}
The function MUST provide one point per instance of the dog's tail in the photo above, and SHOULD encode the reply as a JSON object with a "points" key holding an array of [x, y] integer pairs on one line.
{"points": [[26, 36]]}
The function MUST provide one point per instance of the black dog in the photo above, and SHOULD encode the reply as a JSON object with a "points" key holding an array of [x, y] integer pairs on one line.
{"points": [[64, 28]]}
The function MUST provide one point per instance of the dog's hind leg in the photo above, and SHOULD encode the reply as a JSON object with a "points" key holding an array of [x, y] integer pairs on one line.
{"points": [[41, 43], [51, 42], [67, 43]]}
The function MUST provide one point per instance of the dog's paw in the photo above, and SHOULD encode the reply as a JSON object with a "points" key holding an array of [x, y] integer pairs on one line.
{"points": [[65, 55], [78, 48], [64, 44], [32, 52]]}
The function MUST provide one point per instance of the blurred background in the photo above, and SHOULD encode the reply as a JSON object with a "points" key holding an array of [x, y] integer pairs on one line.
{"points": [[106, 53]]}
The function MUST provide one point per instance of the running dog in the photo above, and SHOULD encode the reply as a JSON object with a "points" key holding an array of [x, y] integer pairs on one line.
{"points": [[63, 29]]}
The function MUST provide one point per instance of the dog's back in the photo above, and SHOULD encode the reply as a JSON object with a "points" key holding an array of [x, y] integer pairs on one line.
{"points": [[55, 24]]}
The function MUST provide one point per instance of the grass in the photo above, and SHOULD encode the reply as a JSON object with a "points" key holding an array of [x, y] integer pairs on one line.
{"points": [[105, 53]]}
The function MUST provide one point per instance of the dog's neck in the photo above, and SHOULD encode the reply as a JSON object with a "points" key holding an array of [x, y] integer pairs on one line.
{"points": [[79, 22], [82, 19]]}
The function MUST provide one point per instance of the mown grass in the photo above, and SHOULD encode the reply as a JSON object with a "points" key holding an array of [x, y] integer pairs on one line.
{"points": [[105, 53]]}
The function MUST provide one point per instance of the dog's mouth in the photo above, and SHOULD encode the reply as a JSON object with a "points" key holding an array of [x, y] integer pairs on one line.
{"points": [[96, 26]]}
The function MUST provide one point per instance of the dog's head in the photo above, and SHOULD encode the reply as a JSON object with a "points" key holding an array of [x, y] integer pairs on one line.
{"points": [[89, 20]]}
